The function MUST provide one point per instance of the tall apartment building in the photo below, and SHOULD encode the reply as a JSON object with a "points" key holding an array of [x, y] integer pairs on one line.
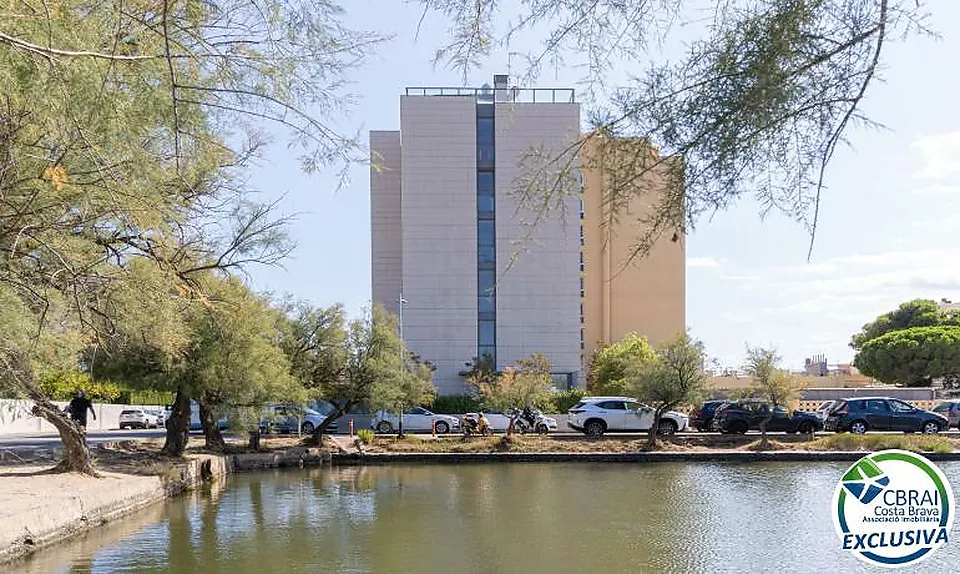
{"points": [[472, 268]]}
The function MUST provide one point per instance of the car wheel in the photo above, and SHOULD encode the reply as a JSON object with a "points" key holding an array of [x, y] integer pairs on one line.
{"points": [[123, 427], [384, 427], [307, 428], [739, 428], [594, 429], [807, 428], [858, 427], [930, 427], [542, 429], [666, 427], [442, 427]]}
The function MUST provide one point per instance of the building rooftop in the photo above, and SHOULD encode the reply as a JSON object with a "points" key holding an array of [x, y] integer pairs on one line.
{"points": [[501, 91]]}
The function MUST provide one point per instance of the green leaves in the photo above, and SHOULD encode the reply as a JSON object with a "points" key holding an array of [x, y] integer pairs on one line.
{"points": [[610, 367], [675, 375], [914, 356], [910, 345]]}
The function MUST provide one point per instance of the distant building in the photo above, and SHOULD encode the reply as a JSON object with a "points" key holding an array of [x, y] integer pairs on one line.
{"points": [[947, 305]]}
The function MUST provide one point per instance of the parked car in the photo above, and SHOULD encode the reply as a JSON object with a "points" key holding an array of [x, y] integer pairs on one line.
{"points": [[951, 410], [824, 409], [415, 419], [160, 415], [281, 418], [883, 414], [740, 416], [195, 418], [137, 419], [703, 416], [499, 421], [594, 416]]}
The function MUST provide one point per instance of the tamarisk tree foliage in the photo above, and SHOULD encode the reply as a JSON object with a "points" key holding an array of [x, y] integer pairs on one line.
{"points": [[756, 106], [125, 127]]}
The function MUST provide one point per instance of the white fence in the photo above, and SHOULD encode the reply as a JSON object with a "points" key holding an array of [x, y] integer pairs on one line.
{"points": [[15, 417]]}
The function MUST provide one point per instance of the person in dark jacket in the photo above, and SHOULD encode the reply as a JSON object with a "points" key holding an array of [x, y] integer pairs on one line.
{"points": [[78, 407]]}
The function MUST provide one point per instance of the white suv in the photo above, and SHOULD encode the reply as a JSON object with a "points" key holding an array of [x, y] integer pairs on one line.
{"points": [[594, 416]]}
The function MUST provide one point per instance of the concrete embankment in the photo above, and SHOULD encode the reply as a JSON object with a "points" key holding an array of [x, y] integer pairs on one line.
{"points": [[613, 457], [37, 509]]}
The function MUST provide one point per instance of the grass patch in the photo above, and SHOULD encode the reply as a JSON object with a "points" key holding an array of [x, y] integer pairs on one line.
{"points": [[874, 442]]}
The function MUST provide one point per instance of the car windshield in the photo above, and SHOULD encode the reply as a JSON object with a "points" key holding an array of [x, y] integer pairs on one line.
{"points": [[131, 413], [942, 407]]}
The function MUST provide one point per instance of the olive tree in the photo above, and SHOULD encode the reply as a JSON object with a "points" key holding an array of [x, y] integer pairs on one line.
{"points": [[674, 377]]}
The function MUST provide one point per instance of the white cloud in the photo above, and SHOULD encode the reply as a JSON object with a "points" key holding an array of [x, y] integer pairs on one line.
{"points": [[815, 308], [703, 262], [938, 191], [941, 155]]}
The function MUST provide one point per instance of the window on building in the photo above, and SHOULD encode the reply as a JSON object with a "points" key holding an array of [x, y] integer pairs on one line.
{"points": [[487, 304], [489, 351], [581, 236], [485, 140], [486, 232], [486, 254], [581, 261], [581, 286], [582, 342], [581, 209], [487, 333], [486, 199], [486, 282]]}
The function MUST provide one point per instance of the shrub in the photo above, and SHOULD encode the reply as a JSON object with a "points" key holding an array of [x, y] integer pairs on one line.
{"points": [[455, 404], [875, 442], [366, 436], [562, 401], [63, 386]]}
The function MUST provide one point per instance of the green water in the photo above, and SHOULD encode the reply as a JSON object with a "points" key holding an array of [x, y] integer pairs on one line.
{"points": [[489, 519]]}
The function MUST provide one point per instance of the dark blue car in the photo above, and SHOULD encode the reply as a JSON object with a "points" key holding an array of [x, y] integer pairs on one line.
{"points": [[703, 417], [883, 414]]}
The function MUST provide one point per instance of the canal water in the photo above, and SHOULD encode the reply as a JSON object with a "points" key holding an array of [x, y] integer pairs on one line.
{"points": [[489, 519]]}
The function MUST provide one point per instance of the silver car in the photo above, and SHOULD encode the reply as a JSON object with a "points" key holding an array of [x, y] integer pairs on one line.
{"points": [[949, 409]]}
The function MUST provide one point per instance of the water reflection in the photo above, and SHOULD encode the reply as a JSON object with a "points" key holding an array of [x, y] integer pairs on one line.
{"points": [[489, 519]]}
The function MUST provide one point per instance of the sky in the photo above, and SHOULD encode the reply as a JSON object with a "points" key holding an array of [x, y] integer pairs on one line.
{"points": [[889, 228]]}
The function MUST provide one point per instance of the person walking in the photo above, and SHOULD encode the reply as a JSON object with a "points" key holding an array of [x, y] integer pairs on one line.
{"points": [[78, 408]]}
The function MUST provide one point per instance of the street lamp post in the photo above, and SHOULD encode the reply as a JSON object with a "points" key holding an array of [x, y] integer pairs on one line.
{"points": [[400, 303]]}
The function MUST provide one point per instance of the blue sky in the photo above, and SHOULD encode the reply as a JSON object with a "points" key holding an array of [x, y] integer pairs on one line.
{"points": [[889, 226]]}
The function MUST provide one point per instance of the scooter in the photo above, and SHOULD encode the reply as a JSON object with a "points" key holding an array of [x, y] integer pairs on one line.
{"points": [[479, 426]]}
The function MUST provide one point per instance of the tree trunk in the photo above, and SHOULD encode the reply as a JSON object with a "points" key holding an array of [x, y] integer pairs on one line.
{"points": [[316, 439], [178, 425], [652, 433], [211, 428], [77, 454], [764, 444]]}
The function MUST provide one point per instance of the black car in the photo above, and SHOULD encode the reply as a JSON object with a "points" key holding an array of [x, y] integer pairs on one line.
{"points": [[741, 416], [703, 416], [883, 414]]}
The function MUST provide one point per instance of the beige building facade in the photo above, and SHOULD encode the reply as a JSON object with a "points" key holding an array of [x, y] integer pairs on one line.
{"points": [[623, 292]]}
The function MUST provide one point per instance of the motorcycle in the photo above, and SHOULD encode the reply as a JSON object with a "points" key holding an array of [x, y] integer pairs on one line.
{"points": [[478, 426], [529, 421]]}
